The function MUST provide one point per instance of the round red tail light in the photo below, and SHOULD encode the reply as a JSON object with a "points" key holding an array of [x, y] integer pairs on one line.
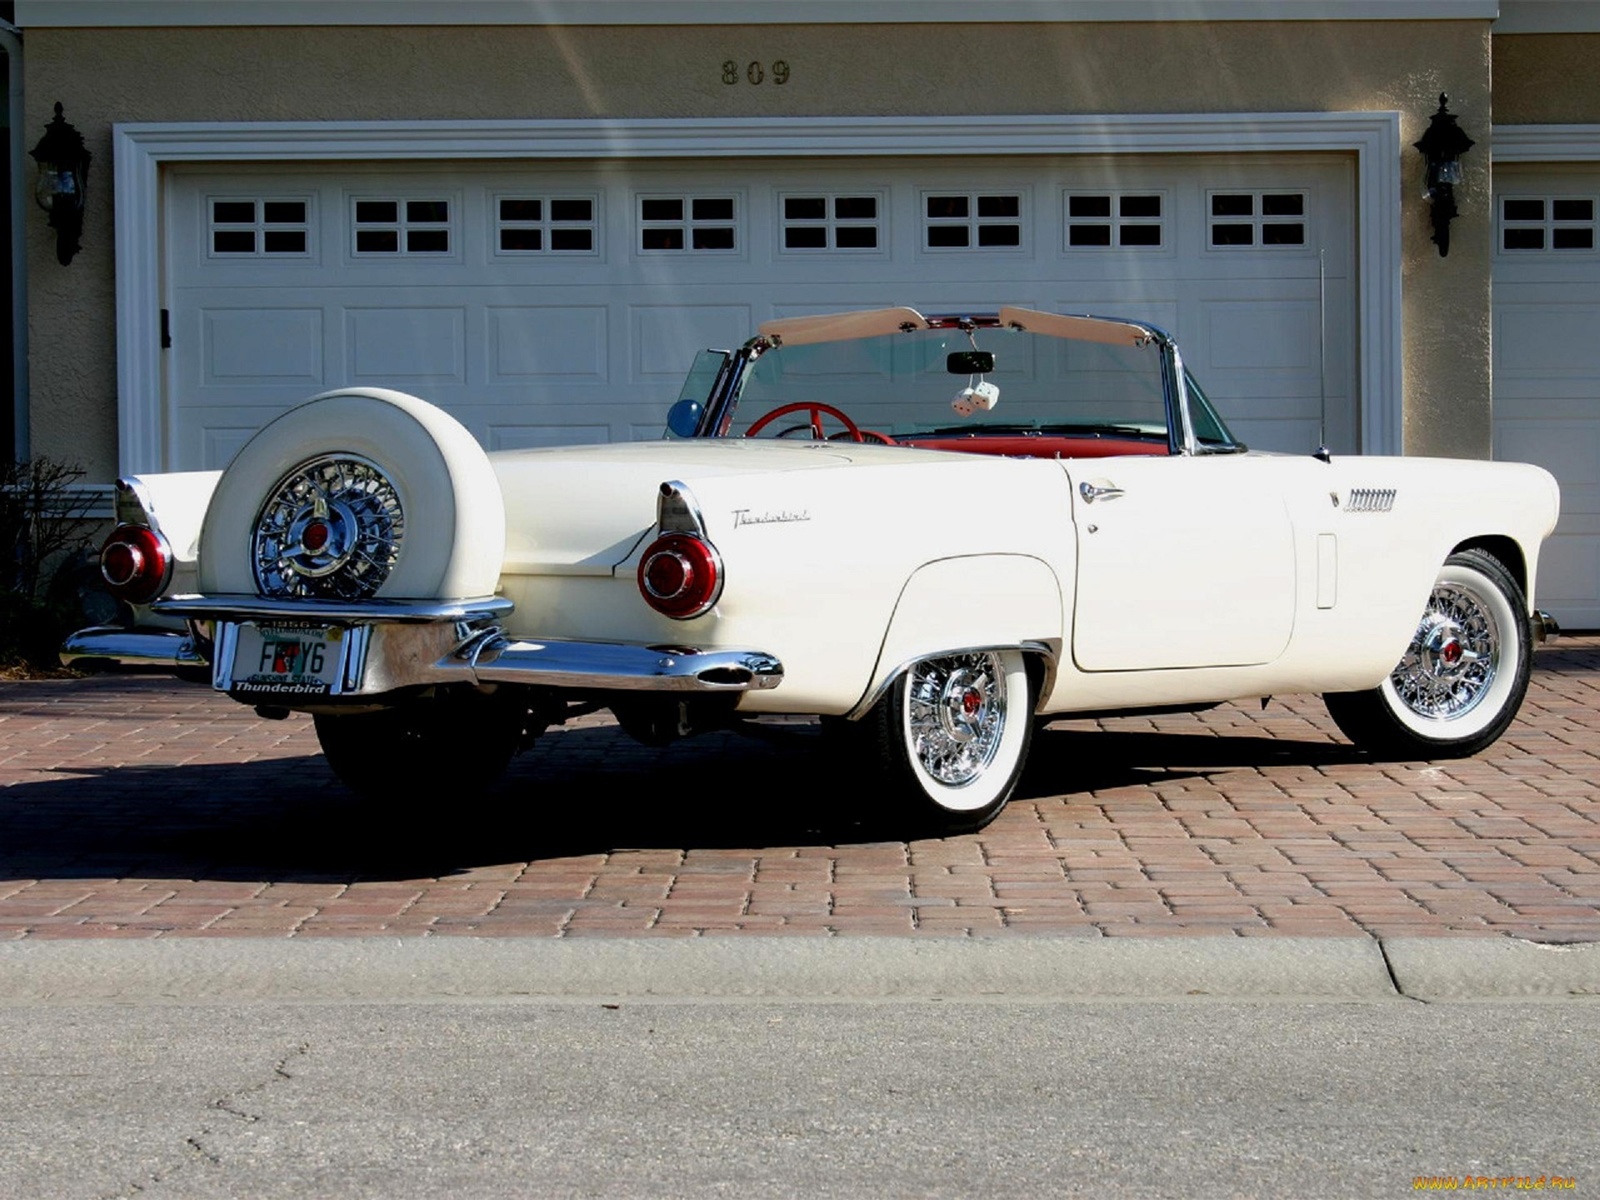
{"points": [[680, 575], [136, 563]]}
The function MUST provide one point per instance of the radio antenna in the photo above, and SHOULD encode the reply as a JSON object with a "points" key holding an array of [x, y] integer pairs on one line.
{"points": [[1322, 450]]}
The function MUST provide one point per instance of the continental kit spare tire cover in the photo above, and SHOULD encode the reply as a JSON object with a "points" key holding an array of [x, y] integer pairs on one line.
{"points": [[357, 493]]}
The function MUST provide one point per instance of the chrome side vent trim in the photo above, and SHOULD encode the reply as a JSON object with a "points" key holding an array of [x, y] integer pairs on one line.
{"points": [[1370, 500]]}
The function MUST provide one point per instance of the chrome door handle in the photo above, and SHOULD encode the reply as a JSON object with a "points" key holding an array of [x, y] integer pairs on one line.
{"points": [[1091, 493]]}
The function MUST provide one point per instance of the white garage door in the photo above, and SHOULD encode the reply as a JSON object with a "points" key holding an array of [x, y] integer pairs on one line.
{"points": [[548, 303], [1547, 363]]}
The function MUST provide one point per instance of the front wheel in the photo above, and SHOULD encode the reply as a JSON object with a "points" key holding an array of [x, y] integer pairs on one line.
{"points": [[1462, 679], [951, 735], [429, 750]]}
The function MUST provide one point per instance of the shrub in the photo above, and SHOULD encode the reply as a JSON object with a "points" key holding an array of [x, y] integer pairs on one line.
{"points": [[45, 528]]}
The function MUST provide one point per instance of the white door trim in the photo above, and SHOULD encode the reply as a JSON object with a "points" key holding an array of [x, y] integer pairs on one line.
{"points": [[141, 150]]}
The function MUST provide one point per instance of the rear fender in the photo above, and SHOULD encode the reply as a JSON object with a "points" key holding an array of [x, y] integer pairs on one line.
{"points": [[980, 601], [172, 504]]}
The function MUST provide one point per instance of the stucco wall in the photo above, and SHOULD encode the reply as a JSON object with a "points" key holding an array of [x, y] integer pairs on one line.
{"points": [[1546, 79], [238, 74]]}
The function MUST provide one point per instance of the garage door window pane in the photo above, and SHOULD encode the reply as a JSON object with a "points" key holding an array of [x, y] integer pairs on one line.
{"points": [[420, 226], [988, 221], [567, 211], [713, 239], [661, 210], [805, 237], [822, 223], [377, 241], [545, 225], [661, 239], [427, 241], [1547, 224], [1113, 220], [693, 224], [284, 241], [1257, 219], [716, 209], [521, 210], [427, 211], [261, 228], [234, 241], [571, 241], [283, 212], [522, 239]]}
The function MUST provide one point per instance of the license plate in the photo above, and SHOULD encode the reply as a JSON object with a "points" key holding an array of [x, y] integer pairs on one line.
{"points": [[289, 659]]}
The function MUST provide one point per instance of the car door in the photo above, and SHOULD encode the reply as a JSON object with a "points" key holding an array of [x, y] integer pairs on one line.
{"points": [[1183, 561]]}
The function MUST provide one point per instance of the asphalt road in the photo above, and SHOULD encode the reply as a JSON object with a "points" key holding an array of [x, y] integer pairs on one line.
{"points": [[767, 1098], [790, 1067]]}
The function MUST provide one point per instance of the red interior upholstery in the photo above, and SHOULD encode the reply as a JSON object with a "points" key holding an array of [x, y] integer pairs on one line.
{"points": [[1044, 446]]}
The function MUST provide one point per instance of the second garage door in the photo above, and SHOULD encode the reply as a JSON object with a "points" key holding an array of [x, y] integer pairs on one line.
{"points": [[1547, 363]]}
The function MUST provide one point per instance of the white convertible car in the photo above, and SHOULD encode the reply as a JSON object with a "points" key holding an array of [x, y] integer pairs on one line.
{"points": [[927, 531]]}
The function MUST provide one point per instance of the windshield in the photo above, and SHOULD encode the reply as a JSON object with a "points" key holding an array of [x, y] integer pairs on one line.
{"points": [[932, 385]]}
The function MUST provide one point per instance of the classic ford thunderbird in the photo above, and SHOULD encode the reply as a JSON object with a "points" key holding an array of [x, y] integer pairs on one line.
{"points": [[928, 531]]}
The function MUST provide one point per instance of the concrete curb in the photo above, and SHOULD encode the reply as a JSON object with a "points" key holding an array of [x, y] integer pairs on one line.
{"points": [[1492, 968], [323, 970], [326, 969]]}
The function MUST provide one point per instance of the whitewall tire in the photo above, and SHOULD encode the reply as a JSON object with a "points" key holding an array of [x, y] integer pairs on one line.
{"points": [[1462, 678], [951, 736]]}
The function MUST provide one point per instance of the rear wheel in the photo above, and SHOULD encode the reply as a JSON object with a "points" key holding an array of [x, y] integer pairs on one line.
{"points": [[438, 747], [951, 736], [1462, 679]]}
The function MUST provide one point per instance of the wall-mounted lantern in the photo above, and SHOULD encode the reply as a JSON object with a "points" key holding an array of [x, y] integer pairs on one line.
{"points": [[1442, 147], [63, 175]]}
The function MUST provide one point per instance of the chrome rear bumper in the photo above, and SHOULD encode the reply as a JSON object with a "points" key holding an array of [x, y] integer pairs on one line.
{"points": [[132, 648], [401, 644]]}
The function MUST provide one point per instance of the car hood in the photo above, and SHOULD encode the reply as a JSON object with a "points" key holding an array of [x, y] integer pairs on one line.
{"points": [[582, 510]]}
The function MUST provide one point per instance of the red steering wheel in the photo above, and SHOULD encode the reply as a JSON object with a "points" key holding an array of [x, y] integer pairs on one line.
{"points": [[817, 410]]}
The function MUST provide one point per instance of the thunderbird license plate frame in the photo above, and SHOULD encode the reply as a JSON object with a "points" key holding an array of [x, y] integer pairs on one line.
{"points": [[287, 659]]}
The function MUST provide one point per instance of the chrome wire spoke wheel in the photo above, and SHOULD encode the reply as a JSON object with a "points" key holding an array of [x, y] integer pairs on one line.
{"points": [[1459, 683], [955, 715], [330, 529], [952, 735], [1454, 658]]}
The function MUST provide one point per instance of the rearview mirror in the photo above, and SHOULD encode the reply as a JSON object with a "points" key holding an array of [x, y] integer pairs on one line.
{"points": [[969, 362]]}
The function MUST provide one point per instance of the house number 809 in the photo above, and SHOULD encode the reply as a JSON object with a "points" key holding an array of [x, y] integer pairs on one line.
{"points": [[755, 73]]}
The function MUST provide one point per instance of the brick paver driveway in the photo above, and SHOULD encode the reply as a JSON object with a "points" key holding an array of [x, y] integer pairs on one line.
{"points": [[138, 807]]}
